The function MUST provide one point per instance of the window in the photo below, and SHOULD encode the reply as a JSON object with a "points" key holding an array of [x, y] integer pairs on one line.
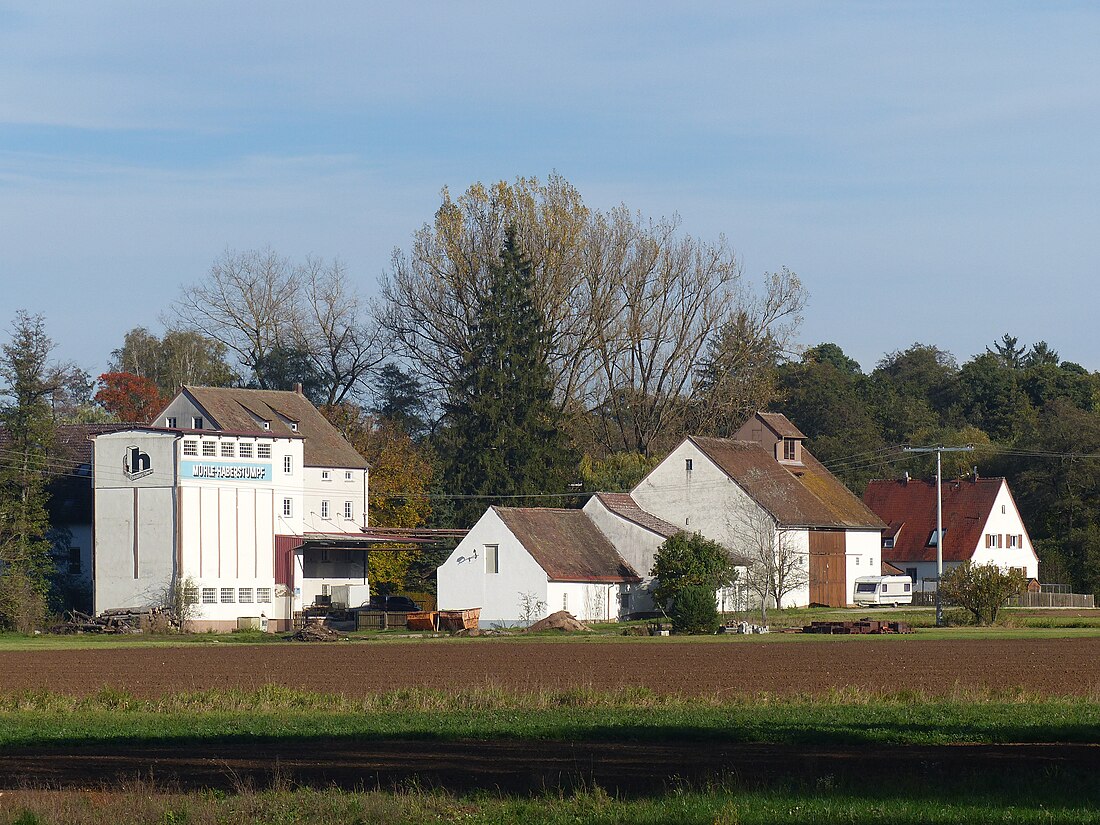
{"points": [[1002, 508], [857, 561], [887, 543], [263, 451], [348, 512], [244, 595], [288, 464], [245, 450], [74, 561], [170, 422], [263, 595], [933, 539], [288, 508], [492, 558], [564, 601], [209, 595], [324, 509], [326, 475], [196, 422], [267, 425], [190, 595], [865, 587], [911, 572], [687, 464], [294, 426], [228, 449], [347, 475], [908, 587], [190, 447], [790, 449], [1011, 541], [209, 449], [227, 595]]}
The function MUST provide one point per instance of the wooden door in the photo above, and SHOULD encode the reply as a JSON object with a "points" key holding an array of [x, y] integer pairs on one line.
{"points": [[828, 568]]}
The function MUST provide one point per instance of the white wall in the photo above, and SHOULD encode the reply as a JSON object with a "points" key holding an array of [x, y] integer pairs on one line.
{"points": [[703, 500], [1004, 519], [462, 581], [336, 490], [586, 601], [636, 544], [135, 519]]}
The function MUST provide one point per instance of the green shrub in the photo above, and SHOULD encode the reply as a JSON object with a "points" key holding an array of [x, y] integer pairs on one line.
{"points": [[694, 611]]}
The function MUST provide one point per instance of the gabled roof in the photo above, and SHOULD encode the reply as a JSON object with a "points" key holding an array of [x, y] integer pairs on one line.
{"points": [[889, 569], [235, 409], [910, 509], [566, 544], [780, 425], [805, 495], [624, 506]]}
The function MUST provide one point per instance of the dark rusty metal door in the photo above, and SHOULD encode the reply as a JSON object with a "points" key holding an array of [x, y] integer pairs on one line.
{"points": [[828, 568]]}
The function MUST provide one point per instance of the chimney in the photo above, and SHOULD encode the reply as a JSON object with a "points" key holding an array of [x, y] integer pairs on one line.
{"points": [[298, 388]]}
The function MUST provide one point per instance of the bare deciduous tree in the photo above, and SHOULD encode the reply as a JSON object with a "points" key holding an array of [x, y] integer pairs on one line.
{"points": [[266, 310], [775, 563], [248, 302]]}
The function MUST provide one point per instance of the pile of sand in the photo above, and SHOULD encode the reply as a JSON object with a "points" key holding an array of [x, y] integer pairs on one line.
{"points": [[315, 632], [562, 620]]}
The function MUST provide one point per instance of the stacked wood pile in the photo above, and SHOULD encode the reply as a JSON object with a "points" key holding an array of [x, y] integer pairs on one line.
{"points": [[875, 626], [110, 621]]}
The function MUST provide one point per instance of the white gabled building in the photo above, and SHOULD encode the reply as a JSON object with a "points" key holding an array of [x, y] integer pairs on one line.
{"points": [[555, 558], [249, 495], [980, 524], [709, 486], [765, 476]]}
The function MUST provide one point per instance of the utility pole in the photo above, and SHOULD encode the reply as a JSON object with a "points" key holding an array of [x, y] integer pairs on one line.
{"points": [[939, 451]]}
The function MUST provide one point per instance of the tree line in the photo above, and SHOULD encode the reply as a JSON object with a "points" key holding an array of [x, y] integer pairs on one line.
{"points": [[525, 349]]}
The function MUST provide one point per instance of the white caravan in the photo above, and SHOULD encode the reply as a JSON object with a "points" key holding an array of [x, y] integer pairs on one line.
{"points": [[895, 590]]}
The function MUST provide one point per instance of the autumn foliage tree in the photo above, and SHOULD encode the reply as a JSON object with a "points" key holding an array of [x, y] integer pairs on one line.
{"points": [[400, 473], [129, 397]]}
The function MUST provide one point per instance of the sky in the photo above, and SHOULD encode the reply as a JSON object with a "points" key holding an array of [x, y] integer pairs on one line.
{"points": [[931, 171]]}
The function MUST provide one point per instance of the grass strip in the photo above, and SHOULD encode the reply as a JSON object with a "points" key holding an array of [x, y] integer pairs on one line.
{"points": [[1038, 802], [635, 715]]}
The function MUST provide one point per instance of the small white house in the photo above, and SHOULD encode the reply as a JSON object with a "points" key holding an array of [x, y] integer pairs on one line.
{"points": [[522, 563], [980, 523]]}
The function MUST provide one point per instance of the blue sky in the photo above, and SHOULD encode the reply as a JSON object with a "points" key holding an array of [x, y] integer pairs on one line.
{"points": [[930, 170]]}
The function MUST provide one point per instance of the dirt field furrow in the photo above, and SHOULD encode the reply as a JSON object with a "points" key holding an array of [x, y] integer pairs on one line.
{"points": [[1067, 667]]}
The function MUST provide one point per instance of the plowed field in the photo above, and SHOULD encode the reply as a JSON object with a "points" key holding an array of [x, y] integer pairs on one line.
{"points": [[1050, 666]]}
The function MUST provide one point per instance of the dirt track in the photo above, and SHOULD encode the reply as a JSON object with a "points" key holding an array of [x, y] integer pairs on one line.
{"points": [[1051, 666]]}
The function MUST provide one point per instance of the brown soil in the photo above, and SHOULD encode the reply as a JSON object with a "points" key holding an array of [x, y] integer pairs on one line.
{"points": [[1049, 666], [562, 620], [1055, 667]]}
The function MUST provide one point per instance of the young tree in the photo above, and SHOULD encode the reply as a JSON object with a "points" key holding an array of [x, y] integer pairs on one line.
{"points": [[689, 560], [25, 561], [694, 610], [981, 589], [501, 434], [775, 564]]}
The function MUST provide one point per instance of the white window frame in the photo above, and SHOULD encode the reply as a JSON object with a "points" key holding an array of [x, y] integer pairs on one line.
{"points": [[288, 464], [228, 595], [288, 508], [209, 449], [349, 511], [196, 422], [324, 508], [326, 475], [228, 450], [263, 595], [190, 447], [210, 595], [245, 450], [263, 451], [492, 558]]}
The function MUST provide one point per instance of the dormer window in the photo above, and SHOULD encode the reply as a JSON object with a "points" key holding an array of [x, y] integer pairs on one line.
{"points": [[933, 539], [789, 445], [196, 422], [294, 426], [267, 425], [887, 543]]}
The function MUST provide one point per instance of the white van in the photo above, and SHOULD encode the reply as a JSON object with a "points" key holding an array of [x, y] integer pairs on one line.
{"points": [[893, 590]]}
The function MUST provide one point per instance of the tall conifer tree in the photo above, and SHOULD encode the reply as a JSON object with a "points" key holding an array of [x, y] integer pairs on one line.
{"points": [[25, 561], [501, 436]]}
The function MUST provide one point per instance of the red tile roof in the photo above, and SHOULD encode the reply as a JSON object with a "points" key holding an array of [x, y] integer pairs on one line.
{"points": [[566, 544], [624, 505], [804, 495], [910, 509]]}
